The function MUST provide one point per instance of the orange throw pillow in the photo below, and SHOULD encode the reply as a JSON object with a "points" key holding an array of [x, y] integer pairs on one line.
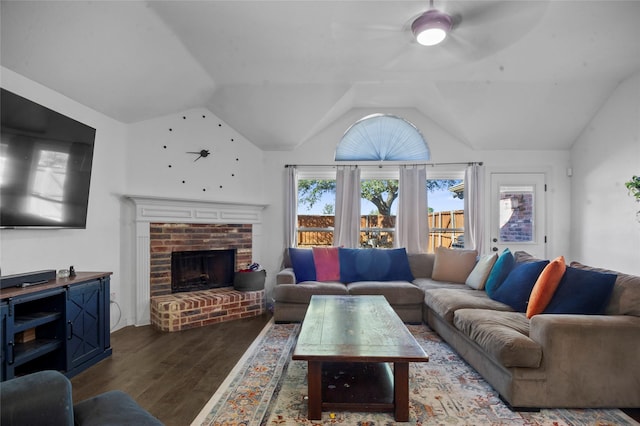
{"points": [[546, 286]]}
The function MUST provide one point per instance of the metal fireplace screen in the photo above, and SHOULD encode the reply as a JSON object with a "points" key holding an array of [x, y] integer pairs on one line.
{"points": [[202, 269]]}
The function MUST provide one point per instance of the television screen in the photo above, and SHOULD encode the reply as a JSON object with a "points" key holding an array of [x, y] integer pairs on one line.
{"points": [[45, 166]]}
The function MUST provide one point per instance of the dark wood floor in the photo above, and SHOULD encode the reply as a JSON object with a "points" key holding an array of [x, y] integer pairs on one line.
{"points": [[173, 375]]}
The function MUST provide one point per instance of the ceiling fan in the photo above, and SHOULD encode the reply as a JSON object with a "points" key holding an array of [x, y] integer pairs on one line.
{"points": [[467, 30], [432, 27], [473, 29]]}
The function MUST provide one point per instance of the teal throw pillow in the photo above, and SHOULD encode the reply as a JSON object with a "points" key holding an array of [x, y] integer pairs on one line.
{"points": [[374, 265], [582, 292], [499, 272], [303, 265], [516, 288]]}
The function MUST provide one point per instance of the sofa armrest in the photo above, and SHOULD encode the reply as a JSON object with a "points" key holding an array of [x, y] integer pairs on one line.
{"points": [[112, 408], [581, 352], [40, 398], [286, 276]]}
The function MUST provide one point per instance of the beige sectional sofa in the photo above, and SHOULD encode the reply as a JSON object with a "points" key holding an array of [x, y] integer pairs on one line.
{"points": [[406, 298], [549, 360]]}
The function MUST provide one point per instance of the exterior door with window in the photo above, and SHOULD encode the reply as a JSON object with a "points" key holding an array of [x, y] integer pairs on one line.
{"points": [[518, 213]]}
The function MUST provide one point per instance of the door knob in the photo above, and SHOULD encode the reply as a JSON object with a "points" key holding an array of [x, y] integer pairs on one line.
{"points": [[494, 248], [495, 240]]}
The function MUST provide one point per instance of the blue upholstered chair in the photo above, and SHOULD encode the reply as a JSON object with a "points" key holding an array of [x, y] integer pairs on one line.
{"points": [[44, 398]]}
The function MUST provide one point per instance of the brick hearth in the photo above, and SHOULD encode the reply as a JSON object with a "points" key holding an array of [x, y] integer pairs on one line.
{"points": [[181, 311]]}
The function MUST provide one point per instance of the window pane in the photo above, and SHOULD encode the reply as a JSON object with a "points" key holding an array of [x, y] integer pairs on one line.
{"points": [[517, 214], [316, 212], [446, 213], [378, 210]]}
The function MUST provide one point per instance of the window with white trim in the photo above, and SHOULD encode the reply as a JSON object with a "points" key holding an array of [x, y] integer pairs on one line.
{"points": [[316, 207]]}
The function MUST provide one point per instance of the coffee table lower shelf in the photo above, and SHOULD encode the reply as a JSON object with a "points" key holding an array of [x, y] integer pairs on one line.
{"points": [[350, 344], [358, 386]]}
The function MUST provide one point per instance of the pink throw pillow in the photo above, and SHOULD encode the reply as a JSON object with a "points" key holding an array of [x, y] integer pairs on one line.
{"points": [[327, 263]]}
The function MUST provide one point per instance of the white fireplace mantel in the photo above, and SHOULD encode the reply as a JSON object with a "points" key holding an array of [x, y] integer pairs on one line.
{"points": [[175, 210]]}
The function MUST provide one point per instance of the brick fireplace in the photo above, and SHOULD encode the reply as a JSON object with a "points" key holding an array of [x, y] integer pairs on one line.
{"points": [[167, 238], [163, 225]]}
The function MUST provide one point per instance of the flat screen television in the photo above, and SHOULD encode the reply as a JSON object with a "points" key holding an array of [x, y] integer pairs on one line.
{"points": [[45, 166]]}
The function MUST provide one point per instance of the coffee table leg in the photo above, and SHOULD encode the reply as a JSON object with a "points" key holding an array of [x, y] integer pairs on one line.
{"points": [[401, 390], [314, 384]]}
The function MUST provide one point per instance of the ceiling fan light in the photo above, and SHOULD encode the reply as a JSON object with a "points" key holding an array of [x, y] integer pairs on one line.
{"points": [[431, 36], [431, 27]]}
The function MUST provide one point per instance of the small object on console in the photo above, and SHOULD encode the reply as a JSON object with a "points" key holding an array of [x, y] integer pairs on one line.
{"points": [[29, 284]]}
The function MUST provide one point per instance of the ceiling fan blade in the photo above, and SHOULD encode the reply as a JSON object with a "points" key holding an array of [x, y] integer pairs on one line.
{"points": [[416, 58], [477, 11], [488, 13], [368, 32], [483, 28]]}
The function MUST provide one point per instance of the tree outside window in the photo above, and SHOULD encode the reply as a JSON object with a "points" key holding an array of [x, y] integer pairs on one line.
{"points": [[316, 212]]}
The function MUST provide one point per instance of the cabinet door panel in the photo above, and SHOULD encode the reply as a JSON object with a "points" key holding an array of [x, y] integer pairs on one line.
{"points": [[84, 325]]}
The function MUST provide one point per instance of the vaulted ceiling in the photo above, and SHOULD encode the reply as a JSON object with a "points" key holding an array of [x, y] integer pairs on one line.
{"points": [[512, 75]]}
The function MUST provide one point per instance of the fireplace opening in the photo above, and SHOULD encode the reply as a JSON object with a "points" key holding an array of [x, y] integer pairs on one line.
{"points": [[202, 269]]}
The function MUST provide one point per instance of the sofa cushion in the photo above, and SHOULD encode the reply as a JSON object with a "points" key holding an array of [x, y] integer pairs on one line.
{"points": [[524, 257], [503, 335], [374, 265], [445, 301], [301, 293], [478, 276], [396, 292], [40, 398], [421, 264], [625, 298], [546, 286], [428, 283], [582, 292], [302, 263], [453, 265], [499, 272], [327, 263], [516, 288]]}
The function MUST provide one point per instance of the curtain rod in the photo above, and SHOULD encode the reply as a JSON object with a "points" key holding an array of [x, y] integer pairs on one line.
{"points": [[467, 163]]}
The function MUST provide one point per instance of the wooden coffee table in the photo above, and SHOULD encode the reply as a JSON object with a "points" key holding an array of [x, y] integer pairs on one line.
{"points": [[348, 342]]}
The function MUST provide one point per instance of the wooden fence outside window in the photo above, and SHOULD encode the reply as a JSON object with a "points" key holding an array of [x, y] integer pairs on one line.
{"points": [[445, 229]]}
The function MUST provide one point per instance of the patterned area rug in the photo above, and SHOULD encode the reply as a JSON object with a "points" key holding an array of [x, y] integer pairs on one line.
{"points": [[267, 388]]}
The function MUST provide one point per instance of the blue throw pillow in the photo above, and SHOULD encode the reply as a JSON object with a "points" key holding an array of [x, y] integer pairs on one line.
{"points": [[499, 272], [302, 262], [516, 288], [374, 265], [582, 292]]}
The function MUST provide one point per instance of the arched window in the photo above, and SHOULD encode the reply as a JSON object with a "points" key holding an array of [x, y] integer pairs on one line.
{"points": [[382, 137]]}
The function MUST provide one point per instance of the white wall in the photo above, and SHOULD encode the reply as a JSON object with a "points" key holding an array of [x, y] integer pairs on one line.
{"points": [[96, 248], [604, 229], [158, 160]]}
